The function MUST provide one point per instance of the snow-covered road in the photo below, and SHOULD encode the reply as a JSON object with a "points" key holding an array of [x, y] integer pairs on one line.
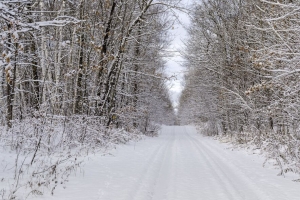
{"points": [[178, 165]]}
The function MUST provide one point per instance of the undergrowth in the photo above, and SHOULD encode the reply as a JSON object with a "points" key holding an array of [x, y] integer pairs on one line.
{"points": [[39, 154]]}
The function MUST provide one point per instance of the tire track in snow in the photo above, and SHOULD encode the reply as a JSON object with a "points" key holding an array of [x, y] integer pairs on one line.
{"points": [[145, 186], [172, 192], [239, 171], [177, 165], [191, 177], [230, 173], [227, 188], [162, 187]]}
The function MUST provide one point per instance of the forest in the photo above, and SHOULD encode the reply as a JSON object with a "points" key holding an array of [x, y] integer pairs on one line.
{"points": [[243, 75], [77, 75], [80, 77]]}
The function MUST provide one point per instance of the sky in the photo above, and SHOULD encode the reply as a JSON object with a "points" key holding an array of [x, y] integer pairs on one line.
{"points": [[174, 64]]}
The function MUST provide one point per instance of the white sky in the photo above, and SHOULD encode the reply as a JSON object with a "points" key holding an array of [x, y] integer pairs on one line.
{"points": [[174, 67]]}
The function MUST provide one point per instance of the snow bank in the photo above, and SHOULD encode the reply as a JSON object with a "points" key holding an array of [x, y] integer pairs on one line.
{"points": [[39, 154]]}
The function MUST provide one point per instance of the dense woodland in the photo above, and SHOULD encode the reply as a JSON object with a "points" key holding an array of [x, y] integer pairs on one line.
{"points": [[243, 74], [83, 58], [80, 75], [76, 75]]}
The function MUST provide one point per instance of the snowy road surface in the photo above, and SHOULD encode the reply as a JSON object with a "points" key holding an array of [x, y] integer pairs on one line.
{"points": [[178, 165]]}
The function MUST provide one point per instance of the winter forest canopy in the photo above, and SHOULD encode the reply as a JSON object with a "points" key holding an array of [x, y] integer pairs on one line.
{"points": [[84, 58], [81, 74], [243, 61], [243, 74]]}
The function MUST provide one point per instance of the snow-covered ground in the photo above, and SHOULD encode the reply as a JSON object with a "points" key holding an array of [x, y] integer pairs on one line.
{"points": [[178, 165]]}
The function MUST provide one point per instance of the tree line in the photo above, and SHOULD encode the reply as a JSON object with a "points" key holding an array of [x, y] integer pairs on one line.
{"points": [[100, 58], [243, 73], [242, 58], [77, 77]]}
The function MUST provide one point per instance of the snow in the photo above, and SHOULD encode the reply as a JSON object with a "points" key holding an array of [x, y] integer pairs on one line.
{"points": [[180, 164], [16, 35]]}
